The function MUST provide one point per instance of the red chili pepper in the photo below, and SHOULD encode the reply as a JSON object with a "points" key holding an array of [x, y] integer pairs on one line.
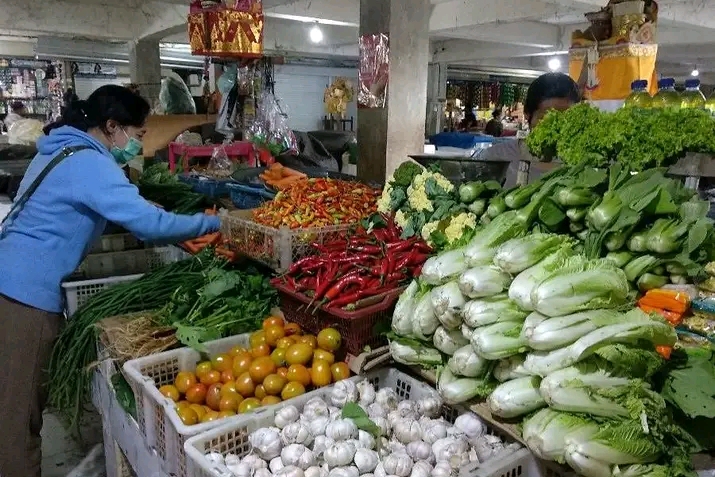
{"points": [[345, 300], [402, 246], [417, 271], [423, 247], [374, 249], [343, 282], [381, 235], [405, 259], [325, 281], [355, 259], [303, 262]]}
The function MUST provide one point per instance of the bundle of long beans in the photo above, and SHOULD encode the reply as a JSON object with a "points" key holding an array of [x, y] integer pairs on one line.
{"points": [[75, 350]]}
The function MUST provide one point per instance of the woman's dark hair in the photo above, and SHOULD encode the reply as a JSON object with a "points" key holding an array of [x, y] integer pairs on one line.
{"points": [[106, 102], [550, 86], [496, 113]]}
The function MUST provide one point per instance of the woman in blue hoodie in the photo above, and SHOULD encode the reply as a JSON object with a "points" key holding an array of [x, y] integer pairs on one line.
{"points": [[72, 188]]}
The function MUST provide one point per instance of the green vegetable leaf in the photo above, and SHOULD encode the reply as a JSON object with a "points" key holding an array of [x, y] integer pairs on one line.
{"points": [[691, 386], [358, 415]]}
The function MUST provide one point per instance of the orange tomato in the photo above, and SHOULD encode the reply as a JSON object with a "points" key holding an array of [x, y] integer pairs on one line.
{"points": [[260, 392], [227, 376], [210, 416], [299, 353], [198, 409], [273, 321], [244, 385], [222, 362], [184, 380], [292, 329], [257, 338], [188, 416], [329, 339], [170, 391], [183, 404], [241, 363], [320, 374], [321, 354], [279, 356], [270, 400], [260, 368], [260, 351], [213, 396], [230, 403], [212, 377], [248, 405], [292, 389], [196, 394], [273, 334], [282, 371], [236, 350], [224, 414], [299, 374], [310, 340], [340, 371], [202, 368], [229, 387], [285, 342], [273, 384]]}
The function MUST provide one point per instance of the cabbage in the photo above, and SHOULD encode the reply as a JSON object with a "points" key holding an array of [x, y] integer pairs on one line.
{"points": [[558, 332], [481, 250], [402, 316], [414, 353], [486, 311], [483, 281], [619, 443], [443, 267], [516, 398], [447, 300], [510, 368], [574, 197], [524, 283], [531, 322], [456, 390], [580, 285], [449, 342], [640, 265], [545, 432], [464, 362], [518, 254], [424, 321], [498, 341]]}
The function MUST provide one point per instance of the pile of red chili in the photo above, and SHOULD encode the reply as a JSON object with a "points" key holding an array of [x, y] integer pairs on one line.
{"points": [[318, 203], [351, 269]]}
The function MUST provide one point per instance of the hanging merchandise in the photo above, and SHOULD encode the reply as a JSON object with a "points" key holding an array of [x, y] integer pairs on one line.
{"points": [[226, 31], [270, 131], [175, 97], [507, 95], [494, 92], [484, 96], [337, 96]]}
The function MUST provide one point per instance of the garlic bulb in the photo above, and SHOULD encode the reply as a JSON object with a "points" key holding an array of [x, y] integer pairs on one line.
{"points": [[366, 460], [296, 433], [429, 407], [341, 429], [458, 460], [253, 460], [442, 469], [433, 431], [367, 475], [340, 454], [313, 471], [382, 423], [366, 439], [387, 397], [367, 393], [405, 409], [383, 447], [376, 410], [315, 408], [266, 442], [240, 469], [262, 473], [285, 416], [290, 471], [420, 450], [392, 418], [407, 430], [320, 444], [379, 471], [398, 464], [396, 446], [347, 471], [470, 424], [344, 392], [275, 464], [334, 413], [292, 455], [215, 458], [324, 470], [447, 447], [421, 468], [317, 425]]}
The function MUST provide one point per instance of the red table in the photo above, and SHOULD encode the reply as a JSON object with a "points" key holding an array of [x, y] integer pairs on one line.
{"points": [[239, 148]]}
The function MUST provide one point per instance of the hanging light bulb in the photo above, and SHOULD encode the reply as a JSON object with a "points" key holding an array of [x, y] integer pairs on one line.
{"points": [[316, 34], [554, 64], [695, 73]]}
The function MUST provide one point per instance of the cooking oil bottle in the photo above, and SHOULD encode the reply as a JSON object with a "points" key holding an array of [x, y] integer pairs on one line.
{"points": [[667, 96], [639, 97], [692, 97]]}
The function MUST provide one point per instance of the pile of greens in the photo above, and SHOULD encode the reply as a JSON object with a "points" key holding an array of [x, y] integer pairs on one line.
{"points": [[636, 138], [160, 185]]}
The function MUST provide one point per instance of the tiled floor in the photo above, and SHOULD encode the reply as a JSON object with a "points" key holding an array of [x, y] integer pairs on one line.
{"points": [[61, 453]]}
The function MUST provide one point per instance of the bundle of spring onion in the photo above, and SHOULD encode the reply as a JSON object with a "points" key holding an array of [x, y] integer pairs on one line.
{"points": [[532, 325]]}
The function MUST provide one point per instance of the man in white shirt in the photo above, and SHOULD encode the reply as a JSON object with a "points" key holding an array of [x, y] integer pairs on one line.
{"points": [[17, 111]]}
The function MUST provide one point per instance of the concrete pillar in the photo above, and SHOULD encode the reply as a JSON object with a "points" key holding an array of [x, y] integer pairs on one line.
{"points": [[145, 68], [436, 97], [386, 136]]}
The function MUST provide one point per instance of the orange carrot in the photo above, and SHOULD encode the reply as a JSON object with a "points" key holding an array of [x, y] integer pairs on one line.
{"points": [[226, 253], [674, 318], [208, 239], [670, 300], [664, 351]]}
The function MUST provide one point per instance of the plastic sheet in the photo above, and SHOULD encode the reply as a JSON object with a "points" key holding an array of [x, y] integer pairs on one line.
{"points": [[25, 132], [373, 74], [270, 130], [175, 97]]}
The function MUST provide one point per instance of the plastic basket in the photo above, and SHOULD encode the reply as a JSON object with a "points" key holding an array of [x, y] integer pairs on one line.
{"points": [[129, 262], [276, 248], [232, 438], [116, 243], [356, 327], [77, 293], [248, 197], [207, 186]]}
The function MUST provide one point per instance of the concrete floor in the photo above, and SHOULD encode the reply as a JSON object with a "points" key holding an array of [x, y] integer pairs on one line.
{"points": [[60, 452]]}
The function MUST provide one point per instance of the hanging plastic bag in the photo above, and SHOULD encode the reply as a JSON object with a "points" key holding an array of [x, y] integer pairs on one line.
{"points": [[270, 130], [25, 132], [220, 164], [175, 97]]}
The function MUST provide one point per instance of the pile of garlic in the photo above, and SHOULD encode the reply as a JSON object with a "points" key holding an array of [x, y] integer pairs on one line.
{"points": [[415, 440]]}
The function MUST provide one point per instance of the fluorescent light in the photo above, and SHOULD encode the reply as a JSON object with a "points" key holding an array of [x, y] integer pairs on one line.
{"points": [[554, 64], [695, 73], [304, 19], [316, 34]]}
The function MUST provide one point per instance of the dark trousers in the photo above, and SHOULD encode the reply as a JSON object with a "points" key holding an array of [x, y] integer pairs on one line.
{"points": [[26, 338]]}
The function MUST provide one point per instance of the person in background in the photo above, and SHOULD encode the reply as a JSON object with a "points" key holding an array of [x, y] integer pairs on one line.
{"points": [[549, 91], [494, 126], [72, 188], [469, 122], [17, 112]]}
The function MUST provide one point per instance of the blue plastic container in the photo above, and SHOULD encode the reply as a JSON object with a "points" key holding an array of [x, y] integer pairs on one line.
{"points": [[248, 197], [205, 185]]}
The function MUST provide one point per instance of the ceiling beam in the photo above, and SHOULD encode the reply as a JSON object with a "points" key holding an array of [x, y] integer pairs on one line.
{"points": [[531, 34], [460, 51], [466, 13]]}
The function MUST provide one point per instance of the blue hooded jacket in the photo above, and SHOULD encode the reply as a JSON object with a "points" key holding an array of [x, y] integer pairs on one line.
{"points": [[69, 211]]}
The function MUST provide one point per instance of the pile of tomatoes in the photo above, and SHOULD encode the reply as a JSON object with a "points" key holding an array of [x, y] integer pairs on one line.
{"points": [[281, 363]]}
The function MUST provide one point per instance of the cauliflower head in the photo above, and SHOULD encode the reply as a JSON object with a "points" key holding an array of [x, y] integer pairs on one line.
{"points": [[383, 203], [457, 224], [419, 181], [419, 201], [427, 230], [401, 219]]}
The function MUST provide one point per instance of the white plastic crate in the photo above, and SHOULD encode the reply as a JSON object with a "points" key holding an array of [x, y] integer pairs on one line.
{"points": [[232, 438], [130, 262], [116, 243], [77, 293]]}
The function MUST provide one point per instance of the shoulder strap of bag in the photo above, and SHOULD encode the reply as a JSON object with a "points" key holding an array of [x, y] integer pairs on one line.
{"points": [[22, 200]]}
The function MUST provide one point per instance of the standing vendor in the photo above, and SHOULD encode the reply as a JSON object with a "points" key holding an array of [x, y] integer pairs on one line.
{"points": [[72, 188], [17, 112], [494, 127], [549, 91]]}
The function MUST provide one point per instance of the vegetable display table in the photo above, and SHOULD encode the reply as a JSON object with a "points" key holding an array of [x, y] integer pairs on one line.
{"points": [[240, 148]]}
